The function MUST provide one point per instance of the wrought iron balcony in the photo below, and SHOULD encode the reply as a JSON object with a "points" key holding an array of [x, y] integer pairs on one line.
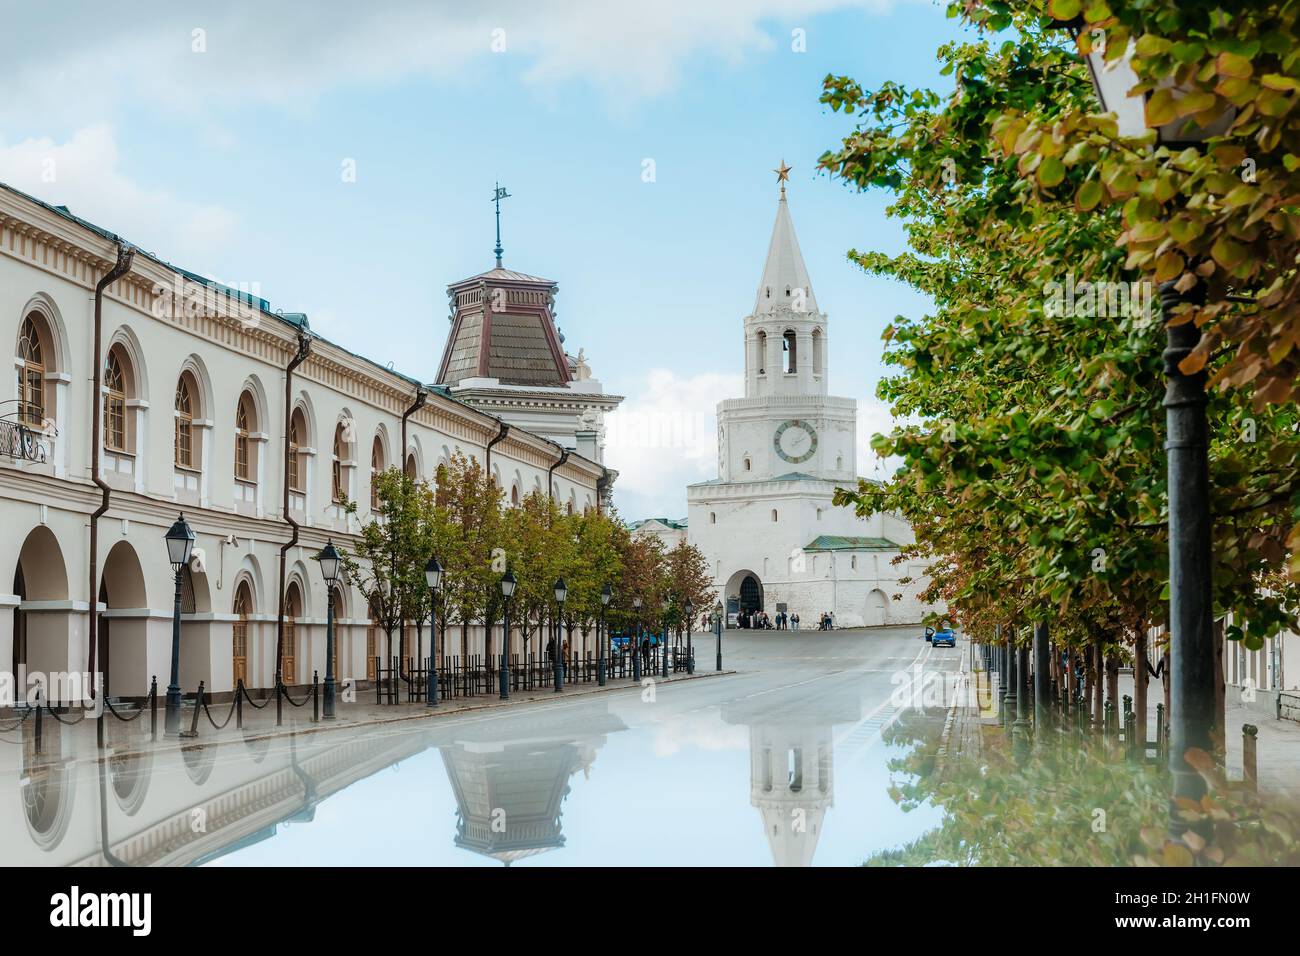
{"points": [[24, 434]]}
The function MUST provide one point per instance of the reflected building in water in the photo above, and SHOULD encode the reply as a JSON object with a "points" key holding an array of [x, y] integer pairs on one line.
{"points": [[65, 802], [510, 792], [792, 763]]}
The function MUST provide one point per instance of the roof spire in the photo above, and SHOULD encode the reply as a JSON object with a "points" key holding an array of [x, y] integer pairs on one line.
{"points": [[785, 283], [498, 194]]}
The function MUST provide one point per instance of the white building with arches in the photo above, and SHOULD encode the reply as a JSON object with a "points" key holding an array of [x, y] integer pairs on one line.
{"points": [[767, 524], [215, 406]]}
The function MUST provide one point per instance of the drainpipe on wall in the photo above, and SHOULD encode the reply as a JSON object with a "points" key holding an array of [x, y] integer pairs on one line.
{"points": [[125, 255], [304, 349], [550, 473], [420, 396], [501, 434]]}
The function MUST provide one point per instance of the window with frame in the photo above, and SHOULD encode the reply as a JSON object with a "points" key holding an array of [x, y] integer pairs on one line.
{"points": [[244, 467], [184, 438], [338, 489], [297, 428], [115, 383], [376, 466], [31, 375]]}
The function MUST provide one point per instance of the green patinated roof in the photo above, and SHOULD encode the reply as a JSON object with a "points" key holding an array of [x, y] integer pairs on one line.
{"points": [[841, 542], [678, 524]]}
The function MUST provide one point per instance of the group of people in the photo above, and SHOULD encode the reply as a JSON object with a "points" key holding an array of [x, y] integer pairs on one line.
{"points": [[781, 621]]}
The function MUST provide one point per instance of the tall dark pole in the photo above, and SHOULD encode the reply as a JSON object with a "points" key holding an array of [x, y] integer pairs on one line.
{"points": [[1009, 689], [636, 646], [505, 654], [600, 650], [431, 691], [664, 673], [172, 722], [1020, 732], [1042, 681], [1191, 610], [717, 627], [329, 651], [690, 628]]}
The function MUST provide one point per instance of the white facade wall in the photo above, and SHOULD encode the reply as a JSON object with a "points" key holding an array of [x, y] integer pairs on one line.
{"points": [[49, 266]]}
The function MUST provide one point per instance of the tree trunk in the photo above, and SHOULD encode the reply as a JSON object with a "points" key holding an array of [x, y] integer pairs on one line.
{"points": [[1140, 679], [1098, 684], [1112, 685], [1218, 730]]}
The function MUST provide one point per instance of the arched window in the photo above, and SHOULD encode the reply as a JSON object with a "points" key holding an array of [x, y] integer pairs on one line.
{"points": [[185, 454], [117, 381], [297, 434], [514, 496], [245, 425], [409, 469], [747, 463], [762, 352], [713, 517], [819, 514], [292, 609], [239, 631], [338, 483], [789, 349], [376, 468], [31, 373]]}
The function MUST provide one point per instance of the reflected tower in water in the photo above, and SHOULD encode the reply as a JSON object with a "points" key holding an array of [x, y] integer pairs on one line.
{"points": [[792, 764]]}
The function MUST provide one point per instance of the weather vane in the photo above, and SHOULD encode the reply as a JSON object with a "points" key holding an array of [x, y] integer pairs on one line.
{"points": [[783, 175], [497, 195]]}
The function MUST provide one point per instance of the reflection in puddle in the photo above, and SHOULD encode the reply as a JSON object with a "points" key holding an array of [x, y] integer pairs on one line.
{"points": [[610, 781]]}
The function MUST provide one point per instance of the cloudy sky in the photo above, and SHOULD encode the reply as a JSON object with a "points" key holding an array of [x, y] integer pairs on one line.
{"points": [[341, 158]]}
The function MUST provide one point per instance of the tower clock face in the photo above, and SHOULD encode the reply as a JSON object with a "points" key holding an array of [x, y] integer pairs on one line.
{"points": [[795, 441]]}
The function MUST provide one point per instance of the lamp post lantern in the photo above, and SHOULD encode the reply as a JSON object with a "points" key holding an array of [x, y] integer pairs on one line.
{"points": [[667, 604], [636, 641], [180, 542], [1191, 607], [433, 573], [329, 570], [606, 593], [689, 608], [508, 585], [561, 592]]}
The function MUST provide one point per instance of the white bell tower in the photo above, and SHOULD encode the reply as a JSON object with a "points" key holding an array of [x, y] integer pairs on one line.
{"points": [[786, 423]]}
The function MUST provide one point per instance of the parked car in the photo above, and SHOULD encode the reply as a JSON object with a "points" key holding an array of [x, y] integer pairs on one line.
{"points": [[944, 637], [929, 634]]}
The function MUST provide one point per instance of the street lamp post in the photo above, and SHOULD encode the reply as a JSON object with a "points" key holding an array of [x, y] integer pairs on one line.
{"points": [[508, 585], [180, 542], [636, 641], [717, 628], [561, 592], [433, 577], [1191, 609], [329, 569], [689, 608], [605, 594], [666, 605]]}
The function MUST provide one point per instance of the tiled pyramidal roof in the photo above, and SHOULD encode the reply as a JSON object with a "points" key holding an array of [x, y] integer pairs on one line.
{"points": [[503, 327]]}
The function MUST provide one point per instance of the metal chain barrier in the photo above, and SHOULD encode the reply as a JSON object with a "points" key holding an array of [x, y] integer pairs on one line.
{"points": [[221, 726], [285, 691], [17, 722], [108, 706], [252, 703]]}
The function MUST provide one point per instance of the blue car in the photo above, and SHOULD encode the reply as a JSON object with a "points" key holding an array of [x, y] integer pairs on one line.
{"points": [[944, 636]]}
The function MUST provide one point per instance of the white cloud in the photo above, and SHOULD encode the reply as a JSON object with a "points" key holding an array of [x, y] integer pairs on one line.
{"points": [[84, 63], [665, 437], [84, 174]]}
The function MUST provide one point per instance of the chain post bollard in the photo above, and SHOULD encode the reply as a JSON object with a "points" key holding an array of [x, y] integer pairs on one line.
{"points": [[1160, 732], [239, 705], [1250, 756], [194, 723], [279, 703], [153, 707], [315, 697]]}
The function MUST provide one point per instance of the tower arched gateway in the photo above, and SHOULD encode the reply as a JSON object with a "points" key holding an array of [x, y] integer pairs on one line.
{"points": [[784, 448]]}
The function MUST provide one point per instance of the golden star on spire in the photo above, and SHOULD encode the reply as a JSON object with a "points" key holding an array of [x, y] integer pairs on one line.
{"points": [[783, 175]]}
